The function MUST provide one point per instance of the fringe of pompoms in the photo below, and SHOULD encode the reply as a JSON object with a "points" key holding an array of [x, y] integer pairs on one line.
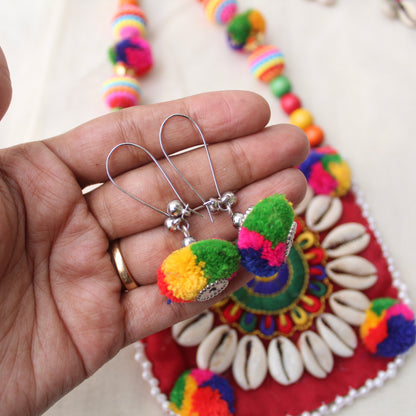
{"points": [[245, 32], [131, 56]]}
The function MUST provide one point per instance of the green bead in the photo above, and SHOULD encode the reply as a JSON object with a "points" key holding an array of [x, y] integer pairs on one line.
{"points": [[280, 86]]}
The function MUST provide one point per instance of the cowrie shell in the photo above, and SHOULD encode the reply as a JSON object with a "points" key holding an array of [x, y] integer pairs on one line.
{"points": [[192, 331], [346, 239], [285, 361], [217, 350], [250, 363], [350, 305], [316, 355], [352, 272], [323, 212], [338, 335], [301, 207]]}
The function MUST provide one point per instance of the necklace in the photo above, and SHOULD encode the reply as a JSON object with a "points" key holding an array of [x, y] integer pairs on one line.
{"points": [[267, 64]]}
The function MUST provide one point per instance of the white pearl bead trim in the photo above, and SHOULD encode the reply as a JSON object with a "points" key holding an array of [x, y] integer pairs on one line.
{"points": [[340, 401], [146, 365]]}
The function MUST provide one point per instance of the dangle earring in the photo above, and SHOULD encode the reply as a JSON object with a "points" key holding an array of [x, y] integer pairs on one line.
{"points": [[266, 234], [266, 230], [199, 270]]}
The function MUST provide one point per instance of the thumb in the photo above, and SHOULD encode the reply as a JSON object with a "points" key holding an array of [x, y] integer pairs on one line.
{"points": [[5, 85]]}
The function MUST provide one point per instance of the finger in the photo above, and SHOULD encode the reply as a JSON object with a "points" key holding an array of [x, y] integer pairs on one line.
{"points": [[237, 163], [144, 253], [221, 116], [5, 85], [147, 312]]}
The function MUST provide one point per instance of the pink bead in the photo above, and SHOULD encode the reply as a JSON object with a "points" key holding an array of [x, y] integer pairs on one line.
{"points": [[290, 102]]}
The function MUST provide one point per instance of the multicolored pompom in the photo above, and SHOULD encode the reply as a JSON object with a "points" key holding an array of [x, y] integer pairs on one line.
{"points": [[266, 63], [246, 31], [220, 11], [134, 52], [121, 92], [263, 237], [327, 173], [199, 271], [202, 393], [129, 20], [389, 328]]}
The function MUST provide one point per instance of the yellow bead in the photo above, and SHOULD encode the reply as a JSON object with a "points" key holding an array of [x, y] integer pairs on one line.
{"points": [[301, 118]]}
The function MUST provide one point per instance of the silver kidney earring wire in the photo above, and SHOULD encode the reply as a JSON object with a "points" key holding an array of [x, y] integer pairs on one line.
{"points": [[177, 210], [199, 270], [223, 202]]}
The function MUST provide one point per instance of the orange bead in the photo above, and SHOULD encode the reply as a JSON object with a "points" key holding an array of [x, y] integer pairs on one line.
{"points": [[315, 135]]}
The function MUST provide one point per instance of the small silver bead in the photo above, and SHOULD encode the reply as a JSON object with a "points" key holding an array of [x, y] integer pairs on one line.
{"points": [[188, 241], [228, 199], [238, 219], [173, 224], [175, 208], [213, 205]]}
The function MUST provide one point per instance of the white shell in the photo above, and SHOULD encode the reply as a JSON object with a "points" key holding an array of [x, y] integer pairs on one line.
{"points": [[349, 305], [408, 15], [323, 212], [250, 363], [316, 355], [338, 335], [285, 362], [217, 350], [192, 331], [352, 272], [348, 238], [301, 207]]}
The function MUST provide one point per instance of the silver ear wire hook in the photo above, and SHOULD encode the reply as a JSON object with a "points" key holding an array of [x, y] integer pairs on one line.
{"points": [[205, 203], [127, 192], [177, 210]]}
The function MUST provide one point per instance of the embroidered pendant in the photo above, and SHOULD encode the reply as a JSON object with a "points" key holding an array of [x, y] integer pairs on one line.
{"points": [[199, 271], [266, 236]]}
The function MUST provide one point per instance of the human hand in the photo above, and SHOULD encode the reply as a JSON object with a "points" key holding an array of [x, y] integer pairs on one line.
{"points": [[62, 312]]}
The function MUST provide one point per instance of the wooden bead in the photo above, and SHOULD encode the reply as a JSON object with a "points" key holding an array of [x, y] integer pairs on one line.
{"points": [[290, 102], [280, 86], [301, 118], [315, 135]]}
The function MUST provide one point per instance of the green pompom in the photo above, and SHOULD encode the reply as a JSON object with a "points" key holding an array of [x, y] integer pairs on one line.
{"points": [[272, 217], [221, 258], [112, 55], [239, 28], [177, 393], [378, 306]]}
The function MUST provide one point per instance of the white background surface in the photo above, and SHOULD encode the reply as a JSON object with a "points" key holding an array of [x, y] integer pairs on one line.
{"points": [[353, 68]]}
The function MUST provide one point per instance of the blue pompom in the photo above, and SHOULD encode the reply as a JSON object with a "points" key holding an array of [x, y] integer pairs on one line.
{"points": [[402, 335], [252, 261]]}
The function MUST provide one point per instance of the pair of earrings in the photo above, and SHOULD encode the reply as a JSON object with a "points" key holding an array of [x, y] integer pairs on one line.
{"points": [[201, 270]]}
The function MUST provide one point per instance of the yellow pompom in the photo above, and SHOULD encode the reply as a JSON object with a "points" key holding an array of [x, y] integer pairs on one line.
{"points": [[183, 276], [371, 321], [342, 173]]}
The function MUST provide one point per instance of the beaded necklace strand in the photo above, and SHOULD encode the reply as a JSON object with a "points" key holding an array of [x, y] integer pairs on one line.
{"points": [[132, 58]]}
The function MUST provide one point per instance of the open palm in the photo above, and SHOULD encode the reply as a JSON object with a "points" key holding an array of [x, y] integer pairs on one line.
{"points": [[62, 312]]}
